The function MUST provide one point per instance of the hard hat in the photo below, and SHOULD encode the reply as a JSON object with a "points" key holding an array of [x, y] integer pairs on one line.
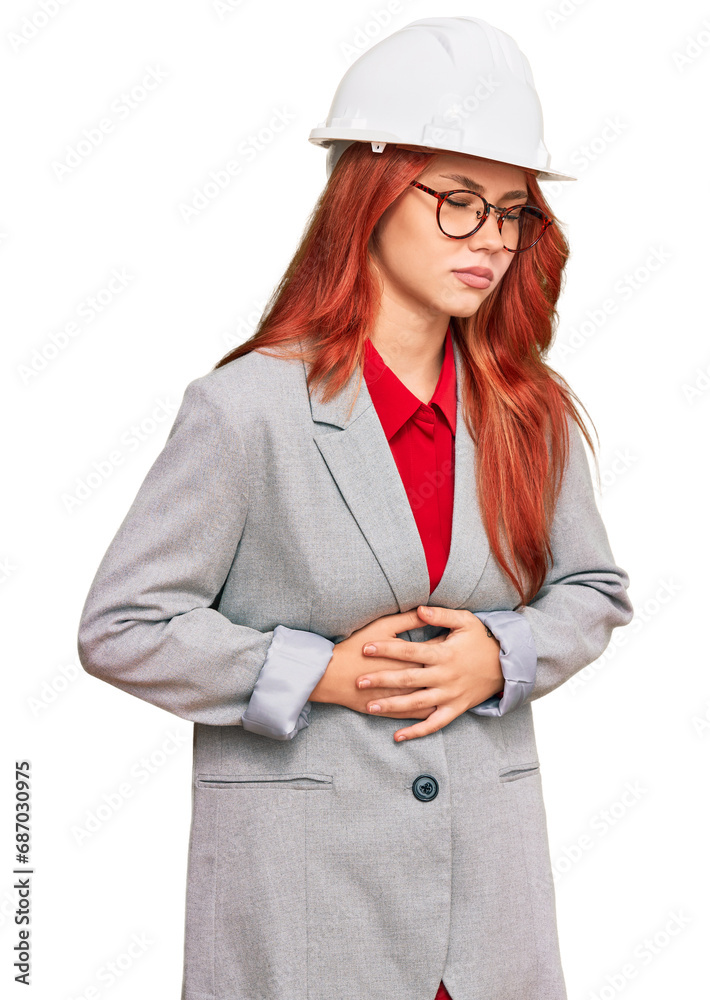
{"points": [[454, 84]]}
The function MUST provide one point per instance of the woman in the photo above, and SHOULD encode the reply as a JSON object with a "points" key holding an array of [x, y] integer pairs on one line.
{"points": [[432, 500]]}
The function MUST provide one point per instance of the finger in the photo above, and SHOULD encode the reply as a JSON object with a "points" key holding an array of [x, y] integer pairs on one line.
{"points": [[401, 649], [404, 620], [423, 713], [441, 717], [448, 617], [406, 677], [388, 692], [425, 698]]}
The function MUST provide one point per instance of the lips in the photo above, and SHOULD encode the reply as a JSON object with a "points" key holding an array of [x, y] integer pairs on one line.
{"points": [[480, 272], [475, 277]]}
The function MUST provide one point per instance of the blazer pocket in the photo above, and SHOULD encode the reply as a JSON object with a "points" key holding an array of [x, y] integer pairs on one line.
{"points": [[515, 771], [240, 781]]}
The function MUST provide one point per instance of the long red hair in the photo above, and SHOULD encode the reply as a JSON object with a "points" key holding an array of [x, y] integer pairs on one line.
{"points": [[514, 405]]}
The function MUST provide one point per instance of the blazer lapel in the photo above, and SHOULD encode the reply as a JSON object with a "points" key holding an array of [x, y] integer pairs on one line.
{"points": [[361, 463]]}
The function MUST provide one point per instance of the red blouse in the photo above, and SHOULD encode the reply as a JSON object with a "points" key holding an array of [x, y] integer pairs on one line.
{"points": [[422, 438]]}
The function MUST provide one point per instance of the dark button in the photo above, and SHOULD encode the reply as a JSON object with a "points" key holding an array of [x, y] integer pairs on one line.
{"points": [[425, 787]]}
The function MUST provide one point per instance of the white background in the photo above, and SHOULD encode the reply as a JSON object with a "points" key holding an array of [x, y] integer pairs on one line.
{"points": [[625, 93]]}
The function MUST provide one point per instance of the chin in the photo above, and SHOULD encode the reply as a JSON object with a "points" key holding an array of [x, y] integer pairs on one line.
{"points": [[468, 303]]}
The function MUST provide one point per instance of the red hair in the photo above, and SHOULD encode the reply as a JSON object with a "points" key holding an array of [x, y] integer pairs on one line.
{"points": [[515, 406]]}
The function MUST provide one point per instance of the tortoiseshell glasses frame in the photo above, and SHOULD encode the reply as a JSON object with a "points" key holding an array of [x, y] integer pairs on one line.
{"points": [[501, 214]]}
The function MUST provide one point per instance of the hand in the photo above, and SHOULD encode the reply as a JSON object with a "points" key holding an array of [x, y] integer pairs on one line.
{"points": [[452, 676], [337, 685]]}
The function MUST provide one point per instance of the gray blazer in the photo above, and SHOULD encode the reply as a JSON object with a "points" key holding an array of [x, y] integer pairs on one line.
{"points": [[325, 859]]}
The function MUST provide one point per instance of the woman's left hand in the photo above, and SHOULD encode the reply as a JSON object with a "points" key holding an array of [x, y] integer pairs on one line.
{"points": [[462, 670]]}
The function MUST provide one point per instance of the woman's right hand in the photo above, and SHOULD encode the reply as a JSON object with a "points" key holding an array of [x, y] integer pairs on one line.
{"points": [[337, 685]]}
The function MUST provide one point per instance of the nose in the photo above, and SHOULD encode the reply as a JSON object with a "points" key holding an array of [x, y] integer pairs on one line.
{"points": [[488, 236]]}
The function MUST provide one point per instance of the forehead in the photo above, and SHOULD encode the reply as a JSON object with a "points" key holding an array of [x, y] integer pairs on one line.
{"points": [[486, 175]]}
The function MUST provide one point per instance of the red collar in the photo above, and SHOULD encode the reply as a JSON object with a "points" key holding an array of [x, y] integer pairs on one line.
{"points": [[394, 402]]}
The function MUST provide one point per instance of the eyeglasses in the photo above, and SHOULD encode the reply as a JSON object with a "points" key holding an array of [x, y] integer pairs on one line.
{"points": [[461, 213]]}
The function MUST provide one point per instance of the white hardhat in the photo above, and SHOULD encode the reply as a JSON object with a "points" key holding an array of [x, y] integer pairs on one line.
{"points": [[454, 84]]}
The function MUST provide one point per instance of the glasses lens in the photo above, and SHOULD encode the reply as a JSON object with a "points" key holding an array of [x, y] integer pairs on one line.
{"points": [[462, 212], [523, 227]]}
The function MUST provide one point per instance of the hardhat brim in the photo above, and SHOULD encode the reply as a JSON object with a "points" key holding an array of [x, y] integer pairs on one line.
{"points": [[325, 136]]}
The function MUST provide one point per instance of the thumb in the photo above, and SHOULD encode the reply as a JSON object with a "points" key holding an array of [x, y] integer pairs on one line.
{"points": [[448, 617], [404, 620]]}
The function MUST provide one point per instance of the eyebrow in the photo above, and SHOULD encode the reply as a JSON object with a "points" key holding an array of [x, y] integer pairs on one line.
{"points": [[479, 188]]}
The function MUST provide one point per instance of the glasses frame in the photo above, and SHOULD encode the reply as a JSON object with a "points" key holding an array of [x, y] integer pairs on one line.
{"points": [[501, 214]]}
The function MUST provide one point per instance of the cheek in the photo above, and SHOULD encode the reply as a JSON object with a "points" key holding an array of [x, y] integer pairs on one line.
{"points": [[407, 234], [509, 258], [507, 264], [407, 253]]}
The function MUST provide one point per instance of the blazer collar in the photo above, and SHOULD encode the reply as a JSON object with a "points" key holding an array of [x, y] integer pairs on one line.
{"points": [[360, 460]]}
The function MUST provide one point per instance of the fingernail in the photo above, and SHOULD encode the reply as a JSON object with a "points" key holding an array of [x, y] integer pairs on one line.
{"points": [[375, 708], [400, 738], [369, 648], [364, 684]]}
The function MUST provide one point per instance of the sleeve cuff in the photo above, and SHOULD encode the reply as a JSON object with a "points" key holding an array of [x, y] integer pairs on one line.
{"points": [[518, 660], [295, 662]]}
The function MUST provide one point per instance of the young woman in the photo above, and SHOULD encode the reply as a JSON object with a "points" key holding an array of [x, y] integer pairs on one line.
{"points": [[385, 484]]}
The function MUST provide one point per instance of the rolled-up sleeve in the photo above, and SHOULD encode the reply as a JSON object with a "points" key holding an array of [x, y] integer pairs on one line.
{"points": [[518, 660], [295, 662]]}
